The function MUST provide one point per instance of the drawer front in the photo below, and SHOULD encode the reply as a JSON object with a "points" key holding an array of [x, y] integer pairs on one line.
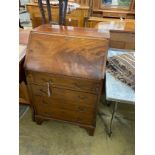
{"points": [[70, 116], [55, 112], [54, 93], [48, 103], [63, 81]]}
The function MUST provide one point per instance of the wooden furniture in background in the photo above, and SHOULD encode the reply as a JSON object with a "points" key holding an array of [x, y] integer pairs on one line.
{"points": [[116, 12], [122, 32], [81, 2], [23, 92], [94, 21], [74, 18], [122, 39], [100, 13], [122, 25], [89, 10], [65, 83]]}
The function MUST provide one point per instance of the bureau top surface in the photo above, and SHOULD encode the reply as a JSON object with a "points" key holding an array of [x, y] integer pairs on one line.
{"points": [[76, 54], [71, 31]]}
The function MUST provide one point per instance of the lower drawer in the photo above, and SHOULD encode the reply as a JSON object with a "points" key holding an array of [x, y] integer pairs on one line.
{"points": [[41, 102], [68, 112], [67, 115]]}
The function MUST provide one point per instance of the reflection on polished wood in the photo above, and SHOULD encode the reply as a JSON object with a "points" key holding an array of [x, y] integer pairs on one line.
{"points": [[94, 21]]}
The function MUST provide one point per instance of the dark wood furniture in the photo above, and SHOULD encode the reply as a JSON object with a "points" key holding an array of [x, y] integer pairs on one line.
{"points": [[63, 4], [65, 70], [73, 18]]}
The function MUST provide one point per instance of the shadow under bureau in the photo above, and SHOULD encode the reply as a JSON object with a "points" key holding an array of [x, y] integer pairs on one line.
{"points": [[65, 70]]}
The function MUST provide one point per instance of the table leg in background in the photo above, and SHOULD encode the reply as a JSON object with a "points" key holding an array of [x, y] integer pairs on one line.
{"points": [[112, 117]]}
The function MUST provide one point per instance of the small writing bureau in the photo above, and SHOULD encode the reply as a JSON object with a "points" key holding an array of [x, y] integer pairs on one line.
{"points": [[64, 70]]}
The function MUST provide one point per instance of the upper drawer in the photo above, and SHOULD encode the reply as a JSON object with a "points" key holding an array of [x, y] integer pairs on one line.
{"points": [[66, 115], [57, 94], [78, 84]]}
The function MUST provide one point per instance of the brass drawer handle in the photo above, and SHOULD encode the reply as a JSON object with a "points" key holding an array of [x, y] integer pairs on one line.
{"points": [[49, 92], [48, 89]]}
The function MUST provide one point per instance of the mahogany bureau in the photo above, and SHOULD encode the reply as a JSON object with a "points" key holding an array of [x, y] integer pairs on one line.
{"points": [[65, 69]]}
